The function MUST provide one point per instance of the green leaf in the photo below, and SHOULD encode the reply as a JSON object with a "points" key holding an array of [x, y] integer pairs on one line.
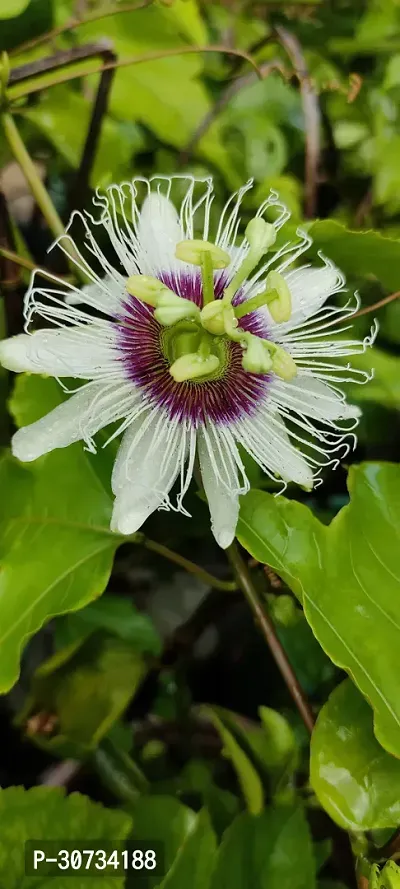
{"points": [[355, 779], [266, 852], [86, 689], [46, 813], [346, 576], [384, 388], [56, 115], [247, 775], [164, 94], [116, 615], [358, 253], [167, 823], [56, 549], [194, 863], [11, 8]]}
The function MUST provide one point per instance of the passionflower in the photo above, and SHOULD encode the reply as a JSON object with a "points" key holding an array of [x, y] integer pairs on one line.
{"points": [[197, 343]]}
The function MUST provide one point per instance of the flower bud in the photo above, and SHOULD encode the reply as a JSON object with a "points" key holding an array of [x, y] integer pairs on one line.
{"points": [[172, 308], [192, 252], [256, 358], [193, 367], [145, 288], [283, 364], [281, 306], [261, 235]]}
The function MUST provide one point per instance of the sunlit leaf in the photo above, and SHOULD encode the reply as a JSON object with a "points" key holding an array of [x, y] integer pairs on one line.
{"points": [[347, 577], [355, 779], [56, 549]]}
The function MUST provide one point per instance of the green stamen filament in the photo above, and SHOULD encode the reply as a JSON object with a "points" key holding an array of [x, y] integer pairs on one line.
{"points": [[207, 276], [256, 302]]}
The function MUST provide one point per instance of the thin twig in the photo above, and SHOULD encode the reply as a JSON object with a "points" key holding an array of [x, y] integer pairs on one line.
{"points": [[76, 22], [382, 302], [268, 630], [155, 547], [155, 55], [233, 88], [312, 117]]}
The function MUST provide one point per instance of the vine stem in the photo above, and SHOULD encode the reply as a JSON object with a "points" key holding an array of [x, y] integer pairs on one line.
{"points": [[267, 628], [228, 586], [39, 191]]}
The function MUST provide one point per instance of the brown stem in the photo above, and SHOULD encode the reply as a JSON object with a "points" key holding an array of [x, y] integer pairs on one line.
{"points": [[311, 116], [226, 585], [34, 87], [268, 630], [379, 305]]}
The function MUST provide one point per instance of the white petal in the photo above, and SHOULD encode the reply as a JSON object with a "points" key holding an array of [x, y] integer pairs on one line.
{"points": [[107, 297], [313, 398], [159, 231], [310, 288], [149, 460], [220, 479], [80, 417], [265, 437], [82, 352]]}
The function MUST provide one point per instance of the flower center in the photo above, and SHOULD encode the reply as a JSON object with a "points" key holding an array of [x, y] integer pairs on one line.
{"points": [[194, 353], [195, 340]]}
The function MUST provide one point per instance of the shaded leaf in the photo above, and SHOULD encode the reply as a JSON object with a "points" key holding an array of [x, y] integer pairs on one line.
{"points": [[46, 813], [86, 689], [116, 615], [247, 775], [164, 822], [337, 572], [194, 863], [265, 851], [358, 253]]}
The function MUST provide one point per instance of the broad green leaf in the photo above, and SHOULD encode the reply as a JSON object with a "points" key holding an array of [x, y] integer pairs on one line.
{"points": [[271, 851], [355, 779], [56, 549], [358, 253], [56, 114], [86, 689], [11, 8], [194, 863], [45, 813], [347, 577], [117, 616], [249, 780]]}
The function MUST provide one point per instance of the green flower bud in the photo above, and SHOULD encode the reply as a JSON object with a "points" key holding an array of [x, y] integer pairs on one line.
{"points": [[193, 366], [280, 307], [192, 252], [256, 358], [172, 308], [283, 364], [145, 288]]}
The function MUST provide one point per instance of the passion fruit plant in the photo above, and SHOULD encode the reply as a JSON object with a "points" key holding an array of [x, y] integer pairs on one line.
{"points": [[200, 511]]}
